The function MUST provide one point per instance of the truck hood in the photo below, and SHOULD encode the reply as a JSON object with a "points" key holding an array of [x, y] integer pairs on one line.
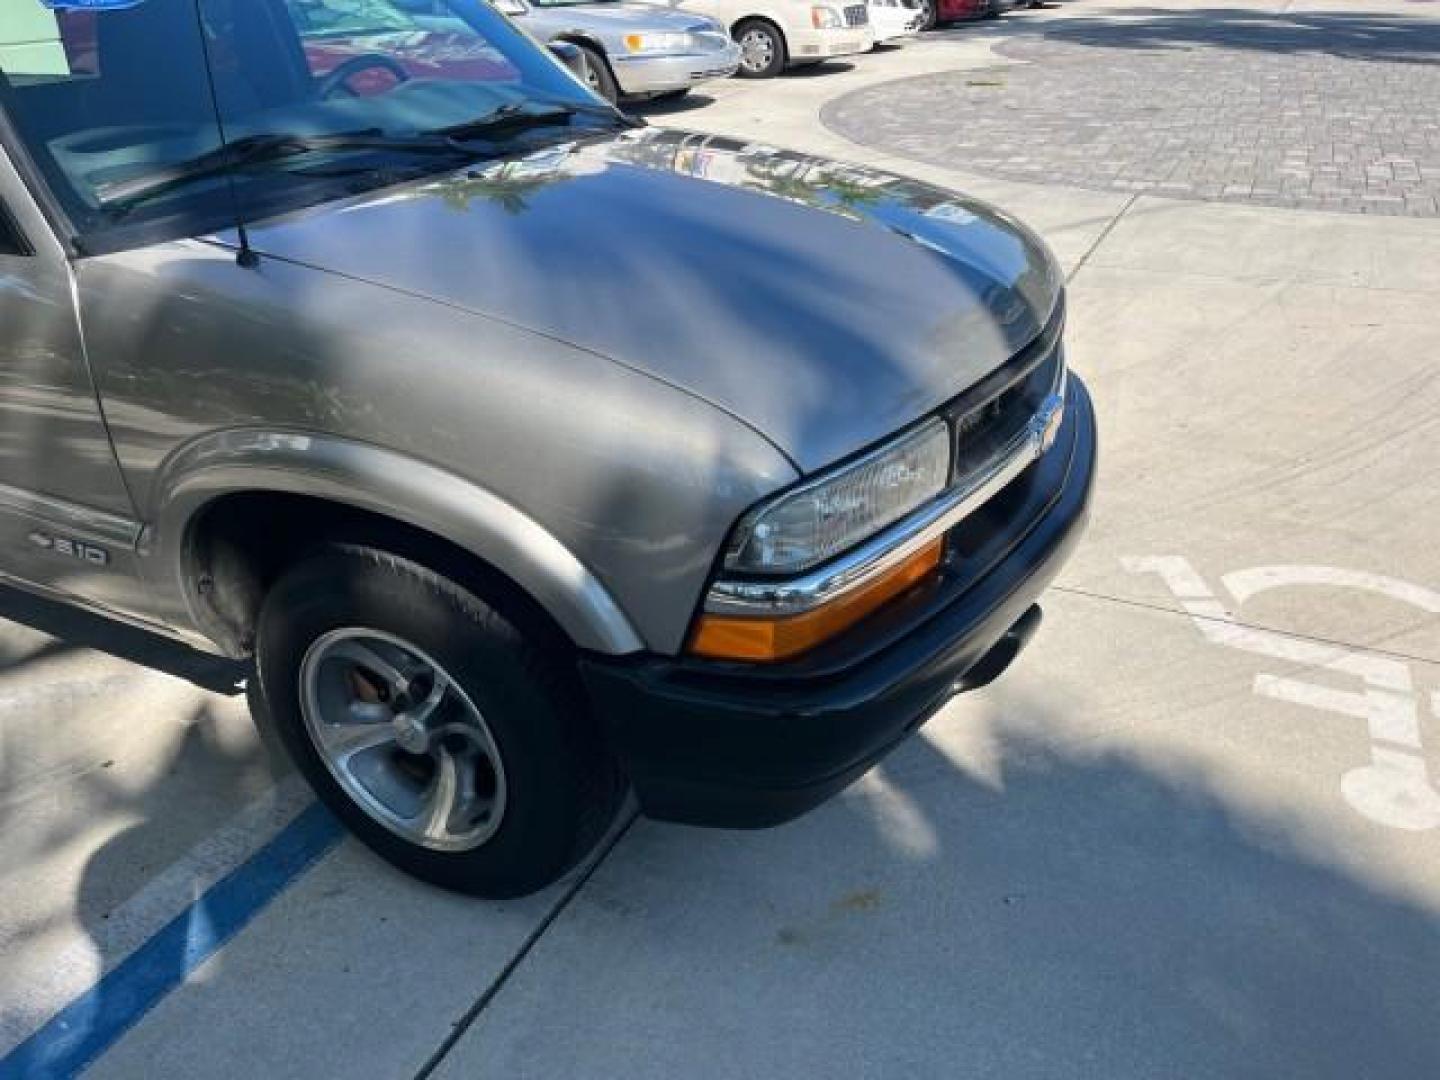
{"points": [[825, 305]]}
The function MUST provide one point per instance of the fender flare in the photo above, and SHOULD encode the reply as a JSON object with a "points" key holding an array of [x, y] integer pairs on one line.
{"points": [[387, 483]]}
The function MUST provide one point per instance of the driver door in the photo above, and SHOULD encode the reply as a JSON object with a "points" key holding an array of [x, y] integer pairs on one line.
{"points": [[66, 520]]}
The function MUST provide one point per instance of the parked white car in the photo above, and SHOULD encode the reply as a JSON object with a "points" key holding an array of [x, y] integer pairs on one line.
{"points": [[895, 19], [776, 34]]}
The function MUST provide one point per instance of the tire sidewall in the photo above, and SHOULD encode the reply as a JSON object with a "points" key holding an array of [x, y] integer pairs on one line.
{"points": [[605, 84]]}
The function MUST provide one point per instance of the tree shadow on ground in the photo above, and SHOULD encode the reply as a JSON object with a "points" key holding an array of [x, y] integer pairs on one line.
{"points": [[1037, 911], [1064, 913], [177, 826], [1351, 35]]}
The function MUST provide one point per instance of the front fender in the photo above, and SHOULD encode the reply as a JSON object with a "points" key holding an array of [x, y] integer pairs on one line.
{"points": [[381, 481]]}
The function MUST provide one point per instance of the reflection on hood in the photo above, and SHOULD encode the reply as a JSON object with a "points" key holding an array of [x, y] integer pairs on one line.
{"points": [[823, 304]]}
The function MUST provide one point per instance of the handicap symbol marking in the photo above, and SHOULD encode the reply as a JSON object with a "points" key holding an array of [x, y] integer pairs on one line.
{"points": [[1394, 788]]}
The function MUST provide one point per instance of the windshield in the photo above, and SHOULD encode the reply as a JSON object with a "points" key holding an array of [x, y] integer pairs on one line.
{"points": [[179, 115]]}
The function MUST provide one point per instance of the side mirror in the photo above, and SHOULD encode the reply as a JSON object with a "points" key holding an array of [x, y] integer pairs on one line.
{"points": [[572, 57]]}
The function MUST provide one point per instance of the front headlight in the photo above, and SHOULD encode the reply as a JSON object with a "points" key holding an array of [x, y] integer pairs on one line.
{"points": [[825, 18], [657, 42], [804, 527]]}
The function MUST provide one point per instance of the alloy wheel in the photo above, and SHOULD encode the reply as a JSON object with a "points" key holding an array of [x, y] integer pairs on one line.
{"points": [[403, 739]]}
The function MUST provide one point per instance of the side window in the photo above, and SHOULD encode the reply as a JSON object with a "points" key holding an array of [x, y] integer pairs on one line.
{"points": [[48, 56]]}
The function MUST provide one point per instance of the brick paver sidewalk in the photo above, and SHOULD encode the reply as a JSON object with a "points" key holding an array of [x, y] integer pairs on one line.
{"points": [[1334, 112]]}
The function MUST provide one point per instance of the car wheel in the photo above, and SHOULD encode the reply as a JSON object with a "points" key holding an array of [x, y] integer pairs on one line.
{"points": [[928, 17], [454, 744], [762, 49], [597, 75]]}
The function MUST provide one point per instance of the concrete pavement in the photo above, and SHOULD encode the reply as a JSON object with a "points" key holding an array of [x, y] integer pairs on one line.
{"points": [[1119, 863], [1191, 833]]}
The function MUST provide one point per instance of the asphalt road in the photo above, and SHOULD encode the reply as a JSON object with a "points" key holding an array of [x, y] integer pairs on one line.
{"points": [[1191, 833]]}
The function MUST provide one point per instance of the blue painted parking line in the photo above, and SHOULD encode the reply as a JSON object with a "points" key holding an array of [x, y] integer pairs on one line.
{"points": [[95, 1020]]}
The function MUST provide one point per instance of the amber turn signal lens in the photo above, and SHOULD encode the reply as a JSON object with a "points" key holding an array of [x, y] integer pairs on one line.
{"points": [[733, 637]]}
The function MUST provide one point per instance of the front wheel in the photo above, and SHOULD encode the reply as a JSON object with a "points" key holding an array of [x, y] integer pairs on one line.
{"points": [[449, 741], [762, 49], [597, 75]]}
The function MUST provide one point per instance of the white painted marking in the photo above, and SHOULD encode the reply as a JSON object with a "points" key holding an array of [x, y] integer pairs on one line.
{"points": [[1395, 788], [1391, 717], [1243, 584], [1176, 572]]}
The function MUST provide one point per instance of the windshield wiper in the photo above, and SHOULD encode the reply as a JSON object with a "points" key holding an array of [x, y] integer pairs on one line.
{"points": [[519, 115], [278, 146], [254, 150]]}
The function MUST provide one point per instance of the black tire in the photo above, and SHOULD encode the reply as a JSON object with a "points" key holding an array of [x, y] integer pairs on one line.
{"points": [[562, 787], [928, 18], [598, 74], [775, 56]]}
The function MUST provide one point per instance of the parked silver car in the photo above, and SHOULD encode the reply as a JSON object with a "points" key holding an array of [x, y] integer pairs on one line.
{"points": [[529, 453], [631, 50]]}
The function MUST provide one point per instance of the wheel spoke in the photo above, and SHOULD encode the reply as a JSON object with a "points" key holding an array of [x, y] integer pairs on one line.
{"points": [[344, 741], [422, 712], [439, 806], [467, 798]]}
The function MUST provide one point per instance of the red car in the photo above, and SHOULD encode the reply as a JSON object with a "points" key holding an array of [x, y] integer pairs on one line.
{"points": [[947, 11]]}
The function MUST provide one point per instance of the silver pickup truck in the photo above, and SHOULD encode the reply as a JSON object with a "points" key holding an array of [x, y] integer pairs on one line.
{"points": [[532, 455]]}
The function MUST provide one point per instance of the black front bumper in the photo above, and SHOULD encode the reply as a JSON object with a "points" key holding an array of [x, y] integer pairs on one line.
{"points": [[746, 746]]}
